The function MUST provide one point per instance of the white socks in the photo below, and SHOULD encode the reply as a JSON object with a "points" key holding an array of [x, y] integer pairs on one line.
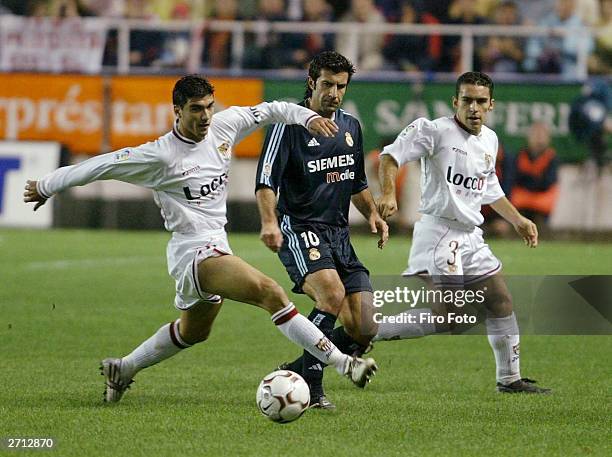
{"points": [[412, 323], [503, 335], [304, 333], [165, 343]]}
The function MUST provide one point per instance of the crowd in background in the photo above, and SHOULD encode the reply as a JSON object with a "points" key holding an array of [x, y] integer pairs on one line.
{"points": [[409, 53]]}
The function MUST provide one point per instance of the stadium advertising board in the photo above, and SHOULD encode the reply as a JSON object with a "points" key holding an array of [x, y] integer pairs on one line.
{"points": [[20, 161], [48, 44], [142, 108], [384, 109], [67, 109]]}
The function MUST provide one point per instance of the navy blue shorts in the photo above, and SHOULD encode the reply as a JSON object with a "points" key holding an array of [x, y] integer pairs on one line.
{"points": [[310, 247]]}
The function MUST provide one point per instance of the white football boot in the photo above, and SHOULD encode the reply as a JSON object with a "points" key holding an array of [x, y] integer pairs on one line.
{"points": [[117, 379], [359, 370]]}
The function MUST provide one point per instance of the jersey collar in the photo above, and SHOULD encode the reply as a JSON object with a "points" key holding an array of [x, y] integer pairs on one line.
{"points": [[463, 127], [177, 134]]}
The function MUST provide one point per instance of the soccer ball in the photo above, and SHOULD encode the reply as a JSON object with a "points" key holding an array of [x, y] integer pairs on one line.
{"points": [[282, 396]]}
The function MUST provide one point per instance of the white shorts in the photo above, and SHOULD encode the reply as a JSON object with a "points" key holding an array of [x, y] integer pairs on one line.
{"points": [[452, 254], [184, 253]]}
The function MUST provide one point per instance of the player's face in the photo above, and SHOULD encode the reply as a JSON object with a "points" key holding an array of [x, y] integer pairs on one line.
{"points": [[472, 106], [327, 92], [195, 116]]}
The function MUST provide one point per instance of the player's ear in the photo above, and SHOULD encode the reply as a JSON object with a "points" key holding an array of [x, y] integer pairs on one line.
{"points": [[492, 104], [455, 102], [311, 83], [177, 111]]}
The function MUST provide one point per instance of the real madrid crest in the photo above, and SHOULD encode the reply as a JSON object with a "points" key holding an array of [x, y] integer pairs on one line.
{"points": [[349, 139], [314, 254], [224, 150]]}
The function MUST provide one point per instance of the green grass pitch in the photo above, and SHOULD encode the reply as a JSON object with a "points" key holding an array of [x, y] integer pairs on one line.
{"points": [[70, 298]]}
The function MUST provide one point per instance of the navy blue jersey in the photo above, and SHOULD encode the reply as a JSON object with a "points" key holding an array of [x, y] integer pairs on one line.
{"points": [[314, 177]]}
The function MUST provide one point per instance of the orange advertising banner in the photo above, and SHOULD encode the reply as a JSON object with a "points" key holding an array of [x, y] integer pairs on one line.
{"points": [[142, 108], [62, 108]]}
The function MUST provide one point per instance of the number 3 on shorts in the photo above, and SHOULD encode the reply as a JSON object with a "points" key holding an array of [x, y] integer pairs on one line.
{"points": [[453, 245], [310, 239]]}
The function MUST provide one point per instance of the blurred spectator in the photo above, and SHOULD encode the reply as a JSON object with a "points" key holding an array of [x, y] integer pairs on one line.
{"points": [[106, 8], [437, 8], [174, 9], [462, 12], [534, 12], [481, 8], [267, 50], [58, 8], [391, 9], [21, 7], [590, 120], [503, 53], [558, 54], [589, 11], [535, 189], [412, 52], [600, 62], [302, 47], [369, 45], [175, 48], [145, 45], [218, 45]]}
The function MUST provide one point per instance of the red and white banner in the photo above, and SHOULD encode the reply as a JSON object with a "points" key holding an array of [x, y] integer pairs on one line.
{"points": [[50, 44]]}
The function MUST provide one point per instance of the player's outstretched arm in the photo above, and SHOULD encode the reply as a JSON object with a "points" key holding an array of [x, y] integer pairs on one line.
{"points": [[387, 174], [270, 232], [523, 226], [31, 195], [364, 202]]}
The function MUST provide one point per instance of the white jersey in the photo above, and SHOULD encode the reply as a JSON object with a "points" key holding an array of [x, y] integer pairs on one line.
{"points": [[189, 179], [457, 168]]}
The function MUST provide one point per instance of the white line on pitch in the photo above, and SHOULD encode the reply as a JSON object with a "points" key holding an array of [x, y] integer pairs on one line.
{"points": [[87, 263]]}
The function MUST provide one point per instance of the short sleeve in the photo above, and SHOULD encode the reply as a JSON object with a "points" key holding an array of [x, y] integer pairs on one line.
{"points": [[415, 141]]}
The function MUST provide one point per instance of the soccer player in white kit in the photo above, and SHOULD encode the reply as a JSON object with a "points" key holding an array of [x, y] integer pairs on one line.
{"points": [[187, 169], [457, 157]]}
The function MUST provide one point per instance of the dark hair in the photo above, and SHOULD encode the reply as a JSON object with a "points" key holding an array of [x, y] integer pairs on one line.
{"points": [[477, 79], [191, 86], [328, 60]]}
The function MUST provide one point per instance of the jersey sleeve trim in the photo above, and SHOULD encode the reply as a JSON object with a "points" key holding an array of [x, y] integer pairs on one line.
{"points": [[270, 155]]}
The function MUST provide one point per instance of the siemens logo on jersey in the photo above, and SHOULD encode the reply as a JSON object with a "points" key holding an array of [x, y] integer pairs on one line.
{"points": [[206, 189], [470, 182], [344, 160]]}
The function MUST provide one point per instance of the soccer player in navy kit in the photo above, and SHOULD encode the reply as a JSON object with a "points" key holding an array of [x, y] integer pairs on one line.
{"points": [[316, 179]]}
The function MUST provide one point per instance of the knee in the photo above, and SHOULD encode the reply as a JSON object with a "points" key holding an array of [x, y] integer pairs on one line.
{"points": [[330, 298], [500, 304], [271, 295]]}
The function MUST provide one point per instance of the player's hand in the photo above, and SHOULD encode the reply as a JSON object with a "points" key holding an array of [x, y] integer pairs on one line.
{"points": [[378, 225], [321, 126], [528, 231], [387, 206], [271, 236], [32, 195]]}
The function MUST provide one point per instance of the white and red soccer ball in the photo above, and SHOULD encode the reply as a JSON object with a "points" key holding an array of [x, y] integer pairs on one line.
{"points": [[282, 396]]}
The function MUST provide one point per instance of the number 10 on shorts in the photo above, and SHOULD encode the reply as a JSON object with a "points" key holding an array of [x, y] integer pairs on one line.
{"points": [[310, 239]]}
